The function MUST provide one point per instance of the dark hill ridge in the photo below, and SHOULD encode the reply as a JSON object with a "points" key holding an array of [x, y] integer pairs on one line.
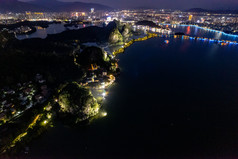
{"points": [[68, 6], [200, 10], [16, 6], [48, 5], [147, 23], [197, 10], [88, 34]]}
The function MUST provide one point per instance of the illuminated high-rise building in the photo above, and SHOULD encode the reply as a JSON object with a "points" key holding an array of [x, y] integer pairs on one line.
{"points": [[92, 10], [190, 17]]}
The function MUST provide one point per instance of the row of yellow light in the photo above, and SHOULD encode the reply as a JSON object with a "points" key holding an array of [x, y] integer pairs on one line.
{"points": [[121, 50]]}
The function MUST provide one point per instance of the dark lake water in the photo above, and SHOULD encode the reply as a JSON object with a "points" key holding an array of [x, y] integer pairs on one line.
{"points": [[43, 32], [52, 29], [171, 100]]}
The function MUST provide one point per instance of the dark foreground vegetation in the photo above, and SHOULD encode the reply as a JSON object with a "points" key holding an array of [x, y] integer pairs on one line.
{"points": [[63, 64]]}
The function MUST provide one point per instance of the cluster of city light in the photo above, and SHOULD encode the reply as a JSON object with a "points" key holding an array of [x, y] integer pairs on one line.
{"points": [[152, 29], [208, 29], [102, 86], [222, 42]]}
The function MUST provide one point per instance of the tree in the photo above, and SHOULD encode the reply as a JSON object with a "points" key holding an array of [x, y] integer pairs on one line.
{"points": [[77, 100], [5, 37], [126, 31], [92, 55], [115, 37]]}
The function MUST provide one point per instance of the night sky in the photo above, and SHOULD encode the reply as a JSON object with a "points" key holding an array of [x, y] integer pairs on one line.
{"points": [[173, 4]]}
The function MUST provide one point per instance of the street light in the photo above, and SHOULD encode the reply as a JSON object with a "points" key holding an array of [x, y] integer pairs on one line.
{"points": [[104, 114]]}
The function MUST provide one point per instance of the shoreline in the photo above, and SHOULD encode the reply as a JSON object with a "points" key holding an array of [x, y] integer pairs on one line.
{"points": [[115, 53], [113, 78], [102, 113], [144, 38], [218, 31], [128, 44]]}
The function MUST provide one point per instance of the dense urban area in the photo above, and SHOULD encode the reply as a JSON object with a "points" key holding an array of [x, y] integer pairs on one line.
{"points": [[218, 21]]}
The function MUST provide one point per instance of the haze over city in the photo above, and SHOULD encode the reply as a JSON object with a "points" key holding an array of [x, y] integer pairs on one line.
{"points": [[168, 4]]}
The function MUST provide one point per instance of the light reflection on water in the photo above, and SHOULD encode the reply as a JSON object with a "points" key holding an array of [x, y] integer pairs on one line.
{"points": [[42, 32], [200, 32], [52, 29]]}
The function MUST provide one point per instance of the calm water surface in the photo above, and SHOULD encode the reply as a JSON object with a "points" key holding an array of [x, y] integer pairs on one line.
{"points": [[176, 99], [52, 29], [43, 32], [195, 31]]}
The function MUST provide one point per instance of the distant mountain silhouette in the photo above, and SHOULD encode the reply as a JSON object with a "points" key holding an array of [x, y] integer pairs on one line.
{"points": [[197, 10], [200, 10], [68, 6], [16, 6], [48, 5]]}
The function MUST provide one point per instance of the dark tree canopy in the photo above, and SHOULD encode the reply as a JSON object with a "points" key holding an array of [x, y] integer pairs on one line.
{"points": [[92, 55], [5, 37], [147, 23], [77, 100]]}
